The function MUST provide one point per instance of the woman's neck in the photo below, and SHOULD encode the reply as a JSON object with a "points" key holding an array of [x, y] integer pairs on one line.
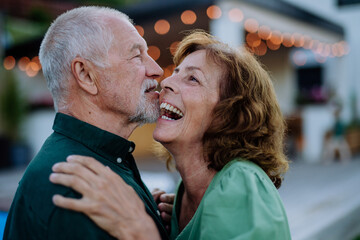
{"points": [[196, 178], [194, 172]]}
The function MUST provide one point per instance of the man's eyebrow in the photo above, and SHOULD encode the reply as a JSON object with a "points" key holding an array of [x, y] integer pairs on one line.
{"points": [[135, 47]]}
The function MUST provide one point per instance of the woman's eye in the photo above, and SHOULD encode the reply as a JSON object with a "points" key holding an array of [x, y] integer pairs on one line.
{"points": [[193, 79]]}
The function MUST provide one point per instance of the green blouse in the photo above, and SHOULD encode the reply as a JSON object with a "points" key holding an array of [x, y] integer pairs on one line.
{"points": [[240, 203]]}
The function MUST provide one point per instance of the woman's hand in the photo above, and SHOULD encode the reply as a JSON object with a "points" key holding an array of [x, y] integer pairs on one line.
{"points": [[106, 198], [165, 202]]}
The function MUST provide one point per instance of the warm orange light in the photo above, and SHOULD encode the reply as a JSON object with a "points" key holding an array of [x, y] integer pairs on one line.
{"points": [[162, 27], [253, 40], [173, 47], [251, 25], [307, 42], [23, 62], [188, 17], [9, 62], [287, 40], [168, 71], [271, 45], [264, 32], [298, 39], [154, 52], [32, 69], [261, 49], [276, 38], [299, 58], [236, 15], [140, 30], [213, 12], [36, 60]]}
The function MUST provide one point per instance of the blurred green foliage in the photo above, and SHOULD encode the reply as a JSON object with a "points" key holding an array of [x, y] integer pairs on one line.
{"points": [[12, 106]]}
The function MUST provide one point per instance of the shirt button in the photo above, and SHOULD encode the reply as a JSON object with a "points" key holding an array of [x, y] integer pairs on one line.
{"points": [[158, 212], [130, 149], [119, 160]]}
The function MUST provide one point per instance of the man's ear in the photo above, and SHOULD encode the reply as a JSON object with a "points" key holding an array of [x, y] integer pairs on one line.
{"points": [[85, 75]]}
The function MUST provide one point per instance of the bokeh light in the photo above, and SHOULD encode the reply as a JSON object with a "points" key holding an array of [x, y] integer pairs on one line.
{"points": [[251, 25], [288, 41], [253, 40], [272, 46], [32, 69], [140, 30], [236, 15], [188, 17], [276, 38], [162, 27], [213, 12], [23, 62], [261, 49], [9, 62], [264, 32], [154, 52], [173, 47], [298, 39], [299, 58]]}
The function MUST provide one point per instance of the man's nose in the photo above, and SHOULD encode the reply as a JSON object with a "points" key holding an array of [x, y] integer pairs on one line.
{"points": [[153, 70]]}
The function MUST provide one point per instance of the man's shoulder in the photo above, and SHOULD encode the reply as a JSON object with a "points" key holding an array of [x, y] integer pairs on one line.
{"points": [[35, 190]]}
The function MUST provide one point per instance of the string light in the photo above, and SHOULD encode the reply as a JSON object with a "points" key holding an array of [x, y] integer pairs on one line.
{"points": [[162, 27], [213, 12], [236, 15], [9, 62], [140, 30], [251, 25], [154, 52], [173, 47], [188, 17]]}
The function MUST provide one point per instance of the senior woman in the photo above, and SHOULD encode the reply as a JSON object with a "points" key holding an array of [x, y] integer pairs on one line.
{"points": [[221, 122]]}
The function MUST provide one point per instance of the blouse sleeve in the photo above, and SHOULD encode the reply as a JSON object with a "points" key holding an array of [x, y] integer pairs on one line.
{"points": [[243, 205]]}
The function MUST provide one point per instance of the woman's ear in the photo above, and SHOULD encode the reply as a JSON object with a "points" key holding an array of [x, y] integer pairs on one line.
{"points": [[85, 75]]}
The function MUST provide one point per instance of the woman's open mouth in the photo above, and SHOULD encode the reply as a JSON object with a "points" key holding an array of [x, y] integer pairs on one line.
{"points": [[170, 112]]}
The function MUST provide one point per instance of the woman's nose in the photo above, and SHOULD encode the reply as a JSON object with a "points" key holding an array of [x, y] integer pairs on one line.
{"points": [[167, 84]]}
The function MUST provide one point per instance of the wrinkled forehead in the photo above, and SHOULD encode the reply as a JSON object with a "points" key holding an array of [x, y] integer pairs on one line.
{"points": [[126, 36]]}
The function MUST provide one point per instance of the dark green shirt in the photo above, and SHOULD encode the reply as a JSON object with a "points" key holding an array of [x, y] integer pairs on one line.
{"points": [[33, 215]]}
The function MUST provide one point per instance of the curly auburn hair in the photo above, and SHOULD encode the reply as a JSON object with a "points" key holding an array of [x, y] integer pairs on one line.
{"points": [[247, 122]]}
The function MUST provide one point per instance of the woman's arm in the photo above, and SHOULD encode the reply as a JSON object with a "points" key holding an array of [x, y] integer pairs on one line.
{"points": [[102, 190]]}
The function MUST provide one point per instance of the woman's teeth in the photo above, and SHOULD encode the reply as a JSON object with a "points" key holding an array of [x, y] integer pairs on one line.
{"points": [[170, 112]]}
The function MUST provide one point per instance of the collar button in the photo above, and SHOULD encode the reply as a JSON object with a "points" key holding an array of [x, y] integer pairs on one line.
{"points": [[131, 149], [119, 160]]}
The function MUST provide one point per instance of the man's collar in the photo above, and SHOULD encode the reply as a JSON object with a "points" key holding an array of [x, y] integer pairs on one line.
{"points": [[106, 144]]}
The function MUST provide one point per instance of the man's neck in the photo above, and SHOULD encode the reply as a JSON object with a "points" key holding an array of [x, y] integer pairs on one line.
{"points": [[118, 125]]}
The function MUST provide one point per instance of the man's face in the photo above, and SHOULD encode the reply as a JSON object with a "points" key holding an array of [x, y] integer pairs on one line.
{"points": [[127, 84]]}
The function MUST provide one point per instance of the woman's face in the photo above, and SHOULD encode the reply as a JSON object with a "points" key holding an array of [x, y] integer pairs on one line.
{"points": [[187, 100]]}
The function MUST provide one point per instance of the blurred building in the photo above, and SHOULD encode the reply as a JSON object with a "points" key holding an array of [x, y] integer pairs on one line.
{"points": [[308, 47]]}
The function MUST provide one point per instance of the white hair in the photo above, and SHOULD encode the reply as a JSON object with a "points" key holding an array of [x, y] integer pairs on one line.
{"points": [[81, 32]]}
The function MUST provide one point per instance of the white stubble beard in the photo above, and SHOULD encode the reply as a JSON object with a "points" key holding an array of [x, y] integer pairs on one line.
{"points": [[147, 111]]}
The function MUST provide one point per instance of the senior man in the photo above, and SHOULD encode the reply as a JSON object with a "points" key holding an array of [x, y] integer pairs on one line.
{"points": [[102, 81]]}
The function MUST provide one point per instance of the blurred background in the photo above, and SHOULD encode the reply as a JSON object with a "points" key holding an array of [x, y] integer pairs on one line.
{"points": [[309, 47]]}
